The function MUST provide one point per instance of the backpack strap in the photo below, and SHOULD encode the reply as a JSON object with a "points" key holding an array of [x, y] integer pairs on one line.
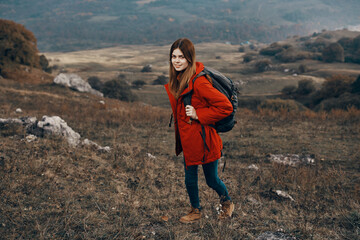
{"points": [[187, 96]]}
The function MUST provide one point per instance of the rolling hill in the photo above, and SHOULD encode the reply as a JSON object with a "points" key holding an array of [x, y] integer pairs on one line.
{"points": [[74, 25]]}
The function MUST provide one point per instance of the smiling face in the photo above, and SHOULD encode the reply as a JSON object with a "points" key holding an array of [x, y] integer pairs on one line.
{"points": [[178, 60]]}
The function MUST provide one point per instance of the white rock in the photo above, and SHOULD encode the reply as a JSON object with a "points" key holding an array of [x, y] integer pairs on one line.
{"points": [[56, 125], [291, 159], [75, 82], [253, 167], [28, 120], [30, 138], [51, 125], [88, 142], [10, 120], [18, 110], [102, 102], [105, 149], [284, 195], [149, 155]]}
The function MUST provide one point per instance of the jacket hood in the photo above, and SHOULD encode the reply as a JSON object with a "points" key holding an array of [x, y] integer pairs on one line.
{"points": [[199, 68]]}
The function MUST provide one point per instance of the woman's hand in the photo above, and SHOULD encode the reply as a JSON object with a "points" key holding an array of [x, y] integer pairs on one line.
{"points": [[191, 112]]}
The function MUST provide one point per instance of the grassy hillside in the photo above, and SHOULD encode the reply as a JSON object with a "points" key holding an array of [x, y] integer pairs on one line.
{"points": [[127, 61], [74, 25], [50, 190]]}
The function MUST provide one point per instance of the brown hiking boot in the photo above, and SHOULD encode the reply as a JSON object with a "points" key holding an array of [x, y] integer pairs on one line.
{"points": [[227, 209], [193, 216]]}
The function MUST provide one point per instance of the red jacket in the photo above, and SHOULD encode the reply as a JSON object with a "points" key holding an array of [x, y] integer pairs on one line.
{"points": [[211, 106]]}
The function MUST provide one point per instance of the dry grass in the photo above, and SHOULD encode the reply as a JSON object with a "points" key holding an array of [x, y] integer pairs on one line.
{"points": [[52, 191]]}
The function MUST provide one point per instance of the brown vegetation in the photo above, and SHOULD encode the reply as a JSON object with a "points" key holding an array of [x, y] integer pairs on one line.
{"points": [[18, 52], [50, 190], [333, 53], [18, 45]]}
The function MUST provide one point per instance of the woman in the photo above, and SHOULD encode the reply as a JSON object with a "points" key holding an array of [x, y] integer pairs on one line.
{"points": [[199, 142]]}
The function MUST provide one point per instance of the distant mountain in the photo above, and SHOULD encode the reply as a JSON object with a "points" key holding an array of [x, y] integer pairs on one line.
{"points": [[69, 25]]}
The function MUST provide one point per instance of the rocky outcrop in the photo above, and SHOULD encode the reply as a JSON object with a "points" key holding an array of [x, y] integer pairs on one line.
{"points": [[51, 126], [75, 82], [57, 126]]}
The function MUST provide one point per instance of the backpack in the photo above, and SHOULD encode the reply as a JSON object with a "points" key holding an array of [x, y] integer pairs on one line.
{"points": [[227, 87]]}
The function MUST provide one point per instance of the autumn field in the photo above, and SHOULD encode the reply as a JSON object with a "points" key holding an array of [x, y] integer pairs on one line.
{"points": [[50, 190]]}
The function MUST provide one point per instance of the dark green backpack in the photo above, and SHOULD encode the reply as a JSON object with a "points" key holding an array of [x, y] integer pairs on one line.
{"points": [[225, 86]]}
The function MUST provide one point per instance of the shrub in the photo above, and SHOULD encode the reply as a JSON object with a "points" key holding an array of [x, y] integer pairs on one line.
{"points": [[44, 63], [333, 53], [318, 45], [95, 83], [344, 101], [262, 65], [303, 68], [289, 90], [291, 55], [303, 39], [138, 84], [336, 86], [355, 86], [273, 49], [251, 103], [121, 76], [356, 43], [147, 68], [248, 57], [305, 87], [355, 57], [17, 44], [118, 89], [327, 36], [161, 80], [281, 104], [242, 49], [346, 43]]}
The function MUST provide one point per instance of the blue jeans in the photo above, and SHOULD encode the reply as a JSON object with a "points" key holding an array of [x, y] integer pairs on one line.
{"points": [[212, 180]]}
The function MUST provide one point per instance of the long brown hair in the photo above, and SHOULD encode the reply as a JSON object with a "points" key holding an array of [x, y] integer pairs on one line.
{"points": [[180, 80]]}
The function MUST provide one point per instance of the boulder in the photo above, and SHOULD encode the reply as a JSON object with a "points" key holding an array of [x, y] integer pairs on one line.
{"points": [[75, 82], [56, 125], [51, 126]]}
